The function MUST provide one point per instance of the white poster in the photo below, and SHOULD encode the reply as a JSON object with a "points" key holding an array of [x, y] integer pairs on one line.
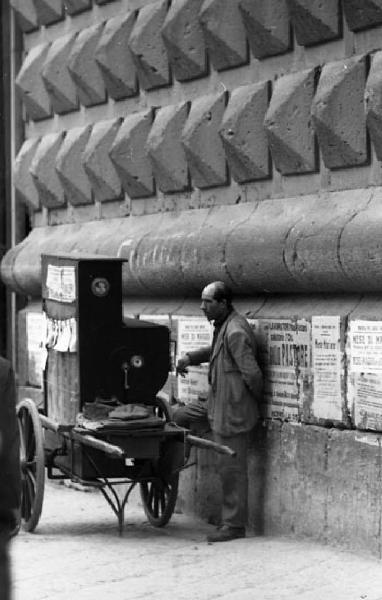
{"points": [[37, 353], [365, 373], [367, 390], [286, 360], [61, 283], [193, 333], [365, 346], [326, 360]]}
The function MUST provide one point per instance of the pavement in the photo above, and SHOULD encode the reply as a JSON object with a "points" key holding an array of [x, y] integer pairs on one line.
{"points": [[76, 553]]}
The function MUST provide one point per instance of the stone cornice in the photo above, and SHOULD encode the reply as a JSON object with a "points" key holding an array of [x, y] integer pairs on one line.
{"points": [[307, 244]]}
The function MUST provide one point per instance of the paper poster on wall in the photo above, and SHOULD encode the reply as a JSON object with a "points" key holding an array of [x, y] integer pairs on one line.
{"points": [[326, 363], [193, 333], [367, 390], [37, 353], [286, 361], [61, 283], [365, 346], [365, 373]]}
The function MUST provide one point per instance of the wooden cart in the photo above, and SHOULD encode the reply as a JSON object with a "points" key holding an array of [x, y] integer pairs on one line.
{"points": [[151, 458], [95, 356]]}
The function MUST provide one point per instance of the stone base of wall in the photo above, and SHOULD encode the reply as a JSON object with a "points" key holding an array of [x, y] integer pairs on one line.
{"points": [[304, 481]]}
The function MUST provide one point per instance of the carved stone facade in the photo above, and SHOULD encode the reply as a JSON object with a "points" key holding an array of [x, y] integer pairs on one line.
{"points": [[238, 140]]}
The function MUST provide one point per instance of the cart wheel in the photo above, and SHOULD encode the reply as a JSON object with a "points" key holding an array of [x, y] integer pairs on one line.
{"points": [[32, 463], [159, 499]]}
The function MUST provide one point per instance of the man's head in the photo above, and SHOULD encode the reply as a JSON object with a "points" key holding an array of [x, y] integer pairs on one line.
{"points": [[216, 300]]}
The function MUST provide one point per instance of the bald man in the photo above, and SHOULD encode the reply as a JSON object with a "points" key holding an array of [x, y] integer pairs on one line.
{"points": [[231, 409]]}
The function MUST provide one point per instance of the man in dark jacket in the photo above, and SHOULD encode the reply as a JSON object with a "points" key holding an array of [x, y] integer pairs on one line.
{"points": [[9, 470], [235, 387]]}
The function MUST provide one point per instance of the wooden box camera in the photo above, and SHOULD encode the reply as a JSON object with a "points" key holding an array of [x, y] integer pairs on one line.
{"points": [[126, 359]]}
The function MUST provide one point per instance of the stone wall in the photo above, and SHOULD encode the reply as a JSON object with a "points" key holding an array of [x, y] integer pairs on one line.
{"points": [[238, 140]]}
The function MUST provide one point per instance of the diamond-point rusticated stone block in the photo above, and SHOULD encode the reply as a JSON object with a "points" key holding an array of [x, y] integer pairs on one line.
{"points": [[96, 161], [29, 83], [224, 33], [69, 167], [339, 115], [362, 14], [147, 46], [48, 11], [26, 191], [202, 143], [84, 69], [288, 123], [373, 103], [114, 58], [74, 7], [267, 26], [43, 171], [243, 134], [315, 21], [129, 156], [184, 40], [56, 77], [166, 151], [26, 15]]}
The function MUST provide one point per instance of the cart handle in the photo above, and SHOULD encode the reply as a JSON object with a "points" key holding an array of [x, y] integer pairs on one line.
{"points": [[209, 445], [89, 440]]}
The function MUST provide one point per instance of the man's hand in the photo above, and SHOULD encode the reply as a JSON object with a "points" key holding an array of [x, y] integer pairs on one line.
{"points": [[182, 364]]}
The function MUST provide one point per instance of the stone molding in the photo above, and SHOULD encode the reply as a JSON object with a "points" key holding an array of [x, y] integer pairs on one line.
{"points": [[184, 40], [30, 86], [114, 57], [148, 48], [70, 169], [306, 244], [43, 171], [315, 22], [288, 123], [55, 75], [165, 150], [129, 156], [339, 114], [83, 67], [96, 161]]}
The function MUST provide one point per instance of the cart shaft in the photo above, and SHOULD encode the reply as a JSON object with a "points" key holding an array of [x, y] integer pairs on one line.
{"points": [[209, 445]]}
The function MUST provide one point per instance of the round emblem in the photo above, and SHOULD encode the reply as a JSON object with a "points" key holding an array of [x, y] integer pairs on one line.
{"points": [[100, 286], [137, 361]]}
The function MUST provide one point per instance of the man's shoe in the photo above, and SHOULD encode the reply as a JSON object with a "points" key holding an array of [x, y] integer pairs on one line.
{"points": [[225, 534]]}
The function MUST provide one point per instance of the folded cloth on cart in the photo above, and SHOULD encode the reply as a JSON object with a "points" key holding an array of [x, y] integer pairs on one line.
{"points": [[99, 409], [127, 412], [115, 425]]}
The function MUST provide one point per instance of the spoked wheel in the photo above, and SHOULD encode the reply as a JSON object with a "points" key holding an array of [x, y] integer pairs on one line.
{"points": [[159, 499], [32, 463], [160, 494]]}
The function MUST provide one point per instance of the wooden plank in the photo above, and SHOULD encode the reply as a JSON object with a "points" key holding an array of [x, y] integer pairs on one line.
{"points": [[91, 441], [63, 397]]}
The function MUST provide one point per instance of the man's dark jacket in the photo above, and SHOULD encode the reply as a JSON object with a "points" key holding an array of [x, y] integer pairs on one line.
{"points": [[235, 377]]}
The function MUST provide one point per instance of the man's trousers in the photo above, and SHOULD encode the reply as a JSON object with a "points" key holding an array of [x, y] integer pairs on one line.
{"points": [[232, 470]]}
